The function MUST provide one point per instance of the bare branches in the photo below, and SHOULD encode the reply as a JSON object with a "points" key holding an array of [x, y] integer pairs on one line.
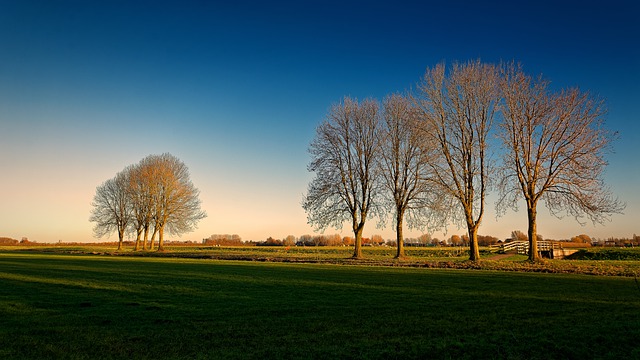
{"points": [[176, 202], [112, 207], [404, 167], [458, 110], [432, 153], [343, 159], [156, 193], [555, 146]]}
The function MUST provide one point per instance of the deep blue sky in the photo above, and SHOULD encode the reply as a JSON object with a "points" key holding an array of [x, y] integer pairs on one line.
{"points": [[236, 89]]}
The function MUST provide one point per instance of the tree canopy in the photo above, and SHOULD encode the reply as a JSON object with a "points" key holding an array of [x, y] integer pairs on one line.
{"points": [[155, 195]]}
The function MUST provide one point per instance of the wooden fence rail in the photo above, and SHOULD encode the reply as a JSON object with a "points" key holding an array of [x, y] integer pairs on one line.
{"points": [[522, 247]]}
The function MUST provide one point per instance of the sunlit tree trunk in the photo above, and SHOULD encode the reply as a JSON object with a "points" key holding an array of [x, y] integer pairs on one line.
{"points": [[146, 238], [120, 238], [357, 232], [399, 235], [138, 235], [153, 238], [532, 213], [474, 250], [161, 239]]}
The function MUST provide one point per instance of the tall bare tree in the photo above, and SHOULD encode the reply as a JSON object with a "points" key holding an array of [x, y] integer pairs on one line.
{"points": [[148, 175], [555, 145], [458, 110], [404, 161], [112, 208], [142, 199], [176, 201], [343, 159]]}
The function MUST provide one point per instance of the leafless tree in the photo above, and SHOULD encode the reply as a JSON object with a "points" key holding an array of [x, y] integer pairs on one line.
{"points": [[156, 193], [343, 160], [404, 160], [458, 110], [517, 235], [555, 144], [112, 209], [176, 201], [141, 195]]}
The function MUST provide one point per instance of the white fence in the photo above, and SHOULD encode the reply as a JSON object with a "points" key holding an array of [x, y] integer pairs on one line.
{"points": [[522, 247]]}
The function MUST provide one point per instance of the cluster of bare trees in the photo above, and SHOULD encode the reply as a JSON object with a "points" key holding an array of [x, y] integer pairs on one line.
{"points": [[431, 156], [151, 197]]}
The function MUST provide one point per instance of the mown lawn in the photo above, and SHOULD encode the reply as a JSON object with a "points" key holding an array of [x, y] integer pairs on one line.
{"points": [[594, 261], [100, 307]]}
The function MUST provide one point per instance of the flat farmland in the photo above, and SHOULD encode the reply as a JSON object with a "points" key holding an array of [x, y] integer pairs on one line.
{"points": [[76, 306]]}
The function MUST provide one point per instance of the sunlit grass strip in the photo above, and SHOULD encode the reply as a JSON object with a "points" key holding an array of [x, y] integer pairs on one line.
{"points": [[418, 257]]}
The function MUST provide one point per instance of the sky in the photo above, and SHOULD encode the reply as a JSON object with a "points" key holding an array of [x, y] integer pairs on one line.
{"points": [[235, 89]]}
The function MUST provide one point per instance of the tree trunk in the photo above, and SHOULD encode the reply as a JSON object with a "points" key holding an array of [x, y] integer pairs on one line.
{"points": [[357, 231], [146, 238], [474, 251], [153, 238], [533, 235], [120, 238], [161, 239], [399, 236], [138, 234]]}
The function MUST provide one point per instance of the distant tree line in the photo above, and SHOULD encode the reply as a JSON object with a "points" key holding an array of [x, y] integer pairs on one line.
{"points": [[428, 158], [223, 240], [336, 240], [148, 198], [633, 241], [8, 241]]}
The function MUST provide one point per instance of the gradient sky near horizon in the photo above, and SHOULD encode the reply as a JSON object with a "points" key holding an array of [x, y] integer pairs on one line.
{"points": [[235, 89]]}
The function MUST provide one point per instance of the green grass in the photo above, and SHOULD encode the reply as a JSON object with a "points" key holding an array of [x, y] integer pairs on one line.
{"points": [[608, 254], [308, 252], [612, 262], [98, 307]]}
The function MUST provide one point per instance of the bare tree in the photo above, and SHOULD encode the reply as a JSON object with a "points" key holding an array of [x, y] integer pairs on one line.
{"points": [[458, 110], [176, 202], [343, 159], [517, 235], [555, 147], [142, 198], [404, 161], [112, 209], [156, 193], [148, 173]]}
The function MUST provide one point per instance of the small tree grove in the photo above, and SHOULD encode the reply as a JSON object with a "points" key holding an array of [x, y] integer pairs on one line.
{"points": [[151, 197]]}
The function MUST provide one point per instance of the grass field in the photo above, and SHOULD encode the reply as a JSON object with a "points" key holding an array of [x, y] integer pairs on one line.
{"points": [[593, 261], [99, 307]]}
